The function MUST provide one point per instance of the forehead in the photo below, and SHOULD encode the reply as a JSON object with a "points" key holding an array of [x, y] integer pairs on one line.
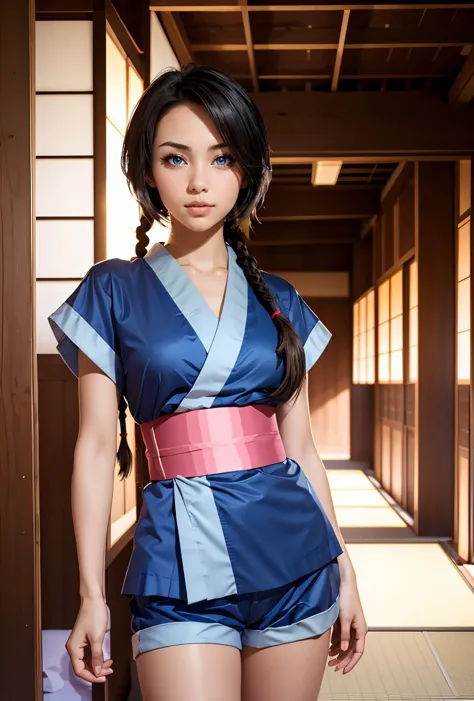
{"points": [[189, 124]]}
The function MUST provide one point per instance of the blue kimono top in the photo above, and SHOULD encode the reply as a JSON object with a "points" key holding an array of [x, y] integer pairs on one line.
{"points": [[147, 326]]}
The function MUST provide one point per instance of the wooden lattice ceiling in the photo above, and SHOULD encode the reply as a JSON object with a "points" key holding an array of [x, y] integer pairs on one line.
{"points": [[303, 47], [306, 48]]}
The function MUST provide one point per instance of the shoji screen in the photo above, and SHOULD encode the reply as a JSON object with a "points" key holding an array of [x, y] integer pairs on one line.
{"points": [[463, 504], [64, 166], [363, 371], [390, 380]]}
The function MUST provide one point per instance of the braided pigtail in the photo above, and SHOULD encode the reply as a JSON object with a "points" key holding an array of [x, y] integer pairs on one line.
{"points": [[290, 347], [124, 454]]}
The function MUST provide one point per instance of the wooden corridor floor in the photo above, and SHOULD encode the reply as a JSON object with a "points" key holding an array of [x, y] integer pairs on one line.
{"points": [[418, 603]]}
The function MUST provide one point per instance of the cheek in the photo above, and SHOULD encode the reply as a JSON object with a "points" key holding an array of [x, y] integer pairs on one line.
{"points": [[229, 186]]}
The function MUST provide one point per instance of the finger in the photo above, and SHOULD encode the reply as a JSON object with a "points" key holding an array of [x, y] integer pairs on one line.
{"points": [[358, 652], [83, 673], [345, 632], [97, 656], [355, 659]]}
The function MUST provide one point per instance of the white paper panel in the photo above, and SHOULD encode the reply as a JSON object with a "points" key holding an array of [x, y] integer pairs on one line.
{"points": [[49, 296], [64, 248], [135, 89], [162, 55], [311, 284], [65, 187], [63, 56], [64, 125], [116, 86], [123, 214]]}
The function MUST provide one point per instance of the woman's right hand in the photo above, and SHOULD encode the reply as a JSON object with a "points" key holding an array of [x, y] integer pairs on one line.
{"points": [[89, 632]]}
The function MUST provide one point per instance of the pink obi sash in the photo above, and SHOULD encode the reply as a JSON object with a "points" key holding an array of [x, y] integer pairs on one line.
{"points": [[207, 441]]}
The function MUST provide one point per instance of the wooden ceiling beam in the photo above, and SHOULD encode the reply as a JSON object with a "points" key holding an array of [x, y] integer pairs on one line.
{"points": [[462, 89], [208, 7], [340, 50], [327, 46], [394, 125], [307, 202], [177, 36], [305, 232], [249, 43], [347, 76]]}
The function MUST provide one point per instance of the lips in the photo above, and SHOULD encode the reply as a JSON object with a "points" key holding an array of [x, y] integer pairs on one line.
{"points": [[199, 204]]}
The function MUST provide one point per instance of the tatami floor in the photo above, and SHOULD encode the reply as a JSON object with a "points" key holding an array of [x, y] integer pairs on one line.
{"points": [[418, 603]]}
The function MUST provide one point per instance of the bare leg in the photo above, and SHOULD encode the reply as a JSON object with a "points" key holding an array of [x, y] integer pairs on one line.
{"points": [[289, 672], [201, 672]]}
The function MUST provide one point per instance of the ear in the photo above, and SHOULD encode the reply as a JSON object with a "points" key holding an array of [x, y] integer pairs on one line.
{"points": [[149, 180]]}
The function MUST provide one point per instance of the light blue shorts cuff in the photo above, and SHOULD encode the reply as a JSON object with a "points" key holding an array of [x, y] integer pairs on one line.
{"points": [[183, 633], [306, 628]]}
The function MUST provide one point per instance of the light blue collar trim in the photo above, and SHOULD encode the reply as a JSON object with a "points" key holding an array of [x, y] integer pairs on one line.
{"points": [[184, 293]]}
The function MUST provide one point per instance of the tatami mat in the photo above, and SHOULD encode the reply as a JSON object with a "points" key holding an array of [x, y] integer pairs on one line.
{"points": [[394, 666], [455, 652], [411, 585]]}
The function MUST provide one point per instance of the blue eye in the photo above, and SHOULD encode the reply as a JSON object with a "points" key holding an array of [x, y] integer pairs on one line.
{"points": [[229, 160], [173, 160]]}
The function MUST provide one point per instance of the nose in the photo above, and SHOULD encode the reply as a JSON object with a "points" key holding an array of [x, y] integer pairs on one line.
{"points": [[197, 181]]}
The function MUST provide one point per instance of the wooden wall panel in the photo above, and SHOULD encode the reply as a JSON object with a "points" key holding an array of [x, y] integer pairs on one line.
{"points": [[362, 279], [321, 257], [58, 422], [331, 378], [407, 218]]}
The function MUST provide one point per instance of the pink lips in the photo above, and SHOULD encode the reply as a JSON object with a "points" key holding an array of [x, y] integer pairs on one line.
{"points": [[198, 208]]}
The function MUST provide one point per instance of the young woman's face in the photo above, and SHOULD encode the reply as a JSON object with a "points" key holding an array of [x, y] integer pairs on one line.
{"points": [[191, 165]]}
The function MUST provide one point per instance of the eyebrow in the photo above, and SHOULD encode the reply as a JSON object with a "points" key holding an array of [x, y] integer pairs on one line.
{"points": [[183, 147]]}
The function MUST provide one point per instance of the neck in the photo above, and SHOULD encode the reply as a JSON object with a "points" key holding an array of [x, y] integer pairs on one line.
{"points": [[203, 250]]}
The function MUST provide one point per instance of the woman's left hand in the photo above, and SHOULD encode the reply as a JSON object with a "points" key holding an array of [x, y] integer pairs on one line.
{"points": [[350, 629]]}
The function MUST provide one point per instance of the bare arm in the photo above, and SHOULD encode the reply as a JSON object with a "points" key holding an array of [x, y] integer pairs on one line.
{"points": [[295, 429], [93, 474]]}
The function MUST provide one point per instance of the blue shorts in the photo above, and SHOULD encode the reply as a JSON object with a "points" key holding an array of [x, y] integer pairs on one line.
{"points": [[301, 609]]}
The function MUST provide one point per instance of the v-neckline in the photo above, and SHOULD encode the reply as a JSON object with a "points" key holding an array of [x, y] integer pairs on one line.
{"points": [[194, 289]]}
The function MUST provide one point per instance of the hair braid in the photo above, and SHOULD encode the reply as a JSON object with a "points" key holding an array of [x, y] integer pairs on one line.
{"points": [[290, 347], [124, 454]]}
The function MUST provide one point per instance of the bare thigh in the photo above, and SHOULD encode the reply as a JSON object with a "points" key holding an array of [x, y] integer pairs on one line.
{"points": [[201, 672], [289, 672]]}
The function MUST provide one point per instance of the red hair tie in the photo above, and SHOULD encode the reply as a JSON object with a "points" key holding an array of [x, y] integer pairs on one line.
{"points": [[123, 435], [275, 313]]}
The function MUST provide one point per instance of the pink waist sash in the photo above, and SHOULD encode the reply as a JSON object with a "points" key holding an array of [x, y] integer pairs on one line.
{"points": [[208, 441]]}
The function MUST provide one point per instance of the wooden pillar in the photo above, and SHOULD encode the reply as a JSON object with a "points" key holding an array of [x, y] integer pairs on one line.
{"points": [[434, 401], [20, 608], [362, 396]]}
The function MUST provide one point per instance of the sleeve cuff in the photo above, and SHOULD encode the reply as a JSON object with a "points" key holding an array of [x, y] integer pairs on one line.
{"points": [[73, 332], [316, 343]]}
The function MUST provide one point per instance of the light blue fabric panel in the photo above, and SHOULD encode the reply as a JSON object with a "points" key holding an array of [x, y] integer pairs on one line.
{"points": [[307, 628], [72, 331], [207, 567], [316, 343], [227, 342], [184, 293], [183, 633]]}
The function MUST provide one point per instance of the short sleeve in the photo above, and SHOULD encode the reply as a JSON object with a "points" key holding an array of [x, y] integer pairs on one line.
{"points": [[85, 322], [313, 333]]}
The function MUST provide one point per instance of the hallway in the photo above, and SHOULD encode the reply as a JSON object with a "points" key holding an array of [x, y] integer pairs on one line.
{"points": [[418, 603], [369, 114]]}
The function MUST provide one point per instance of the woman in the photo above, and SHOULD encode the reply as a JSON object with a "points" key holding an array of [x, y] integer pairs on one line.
{"points": [[238, 570]]}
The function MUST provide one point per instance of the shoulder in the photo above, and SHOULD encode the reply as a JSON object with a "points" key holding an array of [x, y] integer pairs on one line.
{"points": [[281, 288], [112, 272]]}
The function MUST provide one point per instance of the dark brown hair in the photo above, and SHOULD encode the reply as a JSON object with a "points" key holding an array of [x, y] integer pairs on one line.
{"points": [[241, 126]]}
